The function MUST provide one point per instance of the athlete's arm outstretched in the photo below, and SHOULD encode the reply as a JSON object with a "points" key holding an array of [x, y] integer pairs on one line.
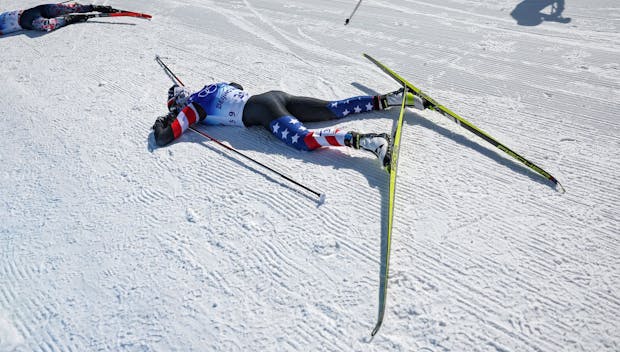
{"points": [[170, 127]]}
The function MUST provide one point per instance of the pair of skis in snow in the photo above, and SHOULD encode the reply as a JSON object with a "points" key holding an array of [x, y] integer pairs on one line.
{"points": [[392, 169]]}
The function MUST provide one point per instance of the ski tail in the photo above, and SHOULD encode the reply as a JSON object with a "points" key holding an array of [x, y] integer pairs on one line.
{"points": [[432, 104], [385, 255], [131, 14]]}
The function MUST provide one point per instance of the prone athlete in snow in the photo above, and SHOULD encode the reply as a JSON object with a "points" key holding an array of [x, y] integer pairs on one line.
{"points": [[47, 17], [280, 113]]}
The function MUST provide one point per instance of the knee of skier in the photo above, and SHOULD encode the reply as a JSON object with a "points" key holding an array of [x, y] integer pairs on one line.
{"points": [[29, 15]]}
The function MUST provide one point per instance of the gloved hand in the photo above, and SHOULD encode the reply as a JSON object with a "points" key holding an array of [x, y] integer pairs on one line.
{"points": [[164, 121], [159, 122]]}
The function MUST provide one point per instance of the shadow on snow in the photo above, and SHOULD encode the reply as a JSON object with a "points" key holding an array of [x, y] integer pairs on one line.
{"points": [[530, 12]]}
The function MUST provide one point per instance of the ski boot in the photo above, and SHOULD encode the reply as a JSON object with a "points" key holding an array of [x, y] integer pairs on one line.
{"points": [[395, 98], [378, 144], [104, 9], [76, 18]]}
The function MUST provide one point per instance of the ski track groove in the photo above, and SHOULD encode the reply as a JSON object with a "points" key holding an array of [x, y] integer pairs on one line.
{"points": [[569, 40], [454, 255], [481, 309], [501, 65]]}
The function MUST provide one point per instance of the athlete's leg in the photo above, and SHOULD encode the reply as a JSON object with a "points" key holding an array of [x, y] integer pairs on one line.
{"points": [[269, 110], [29, 15], [314, 110], [292, 132], [58, 10], [50, 16], [261, 109]]}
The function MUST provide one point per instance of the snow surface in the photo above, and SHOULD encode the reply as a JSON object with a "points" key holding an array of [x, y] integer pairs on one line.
{"points": [[109, 244]]}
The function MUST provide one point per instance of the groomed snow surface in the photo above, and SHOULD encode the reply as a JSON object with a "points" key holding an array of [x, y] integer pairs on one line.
{"points": [[110, 244]]}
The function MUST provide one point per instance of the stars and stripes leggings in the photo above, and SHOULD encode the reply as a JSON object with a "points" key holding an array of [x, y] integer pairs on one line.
{"points": [[284, 114], [50, 16]]}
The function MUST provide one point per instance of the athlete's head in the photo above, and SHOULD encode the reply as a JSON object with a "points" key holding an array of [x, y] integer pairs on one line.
{"points": [[178, 97]]}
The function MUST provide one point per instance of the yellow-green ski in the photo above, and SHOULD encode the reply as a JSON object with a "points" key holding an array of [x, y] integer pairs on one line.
{"points": [[385, 265], [432, 104]]}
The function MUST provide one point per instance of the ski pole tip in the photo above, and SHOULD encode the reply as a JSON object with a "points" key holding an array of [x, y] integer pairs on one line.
{"points": [[321, 198]]}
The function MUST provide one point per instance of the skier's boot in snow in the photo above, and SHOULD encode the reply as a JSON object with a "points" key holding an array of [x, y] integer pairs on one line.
{"points": [[395, 98], [104, 9], [76, 18], [378, 144]]}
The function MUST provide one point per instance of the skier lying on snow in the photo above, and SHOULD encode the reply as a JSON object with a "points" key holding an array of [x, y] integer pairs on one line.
{"points": [[279, 112], [47, 17]]}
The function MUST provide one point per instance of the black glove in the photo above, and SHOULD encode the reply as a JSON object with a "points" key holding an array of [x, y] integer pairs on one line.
{"points": [[159, 122], [104, 9], [165, 120]]}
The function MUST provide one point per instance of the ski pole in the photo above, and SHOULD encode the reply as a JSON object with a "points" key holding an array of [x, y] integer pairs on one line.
{"points": [[177, 80], [168, 71], [352, 13]]}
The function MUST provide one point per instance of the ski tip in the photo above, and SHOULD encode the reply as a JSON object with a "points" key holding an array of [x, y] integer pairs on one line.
{"points": [[321, 198], [374, 332], [376, 329], [559, 187]]}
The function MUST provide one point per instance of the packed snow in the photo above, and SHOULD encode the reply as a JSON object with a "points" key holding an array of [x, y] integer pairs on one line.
{"points": [[108, 243]]}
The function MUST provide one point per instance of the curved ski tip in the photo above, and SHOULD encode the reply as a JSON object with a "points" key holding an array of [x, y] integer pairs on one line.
{"points": [[559, 187], [375, 331], [321, 198]]}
